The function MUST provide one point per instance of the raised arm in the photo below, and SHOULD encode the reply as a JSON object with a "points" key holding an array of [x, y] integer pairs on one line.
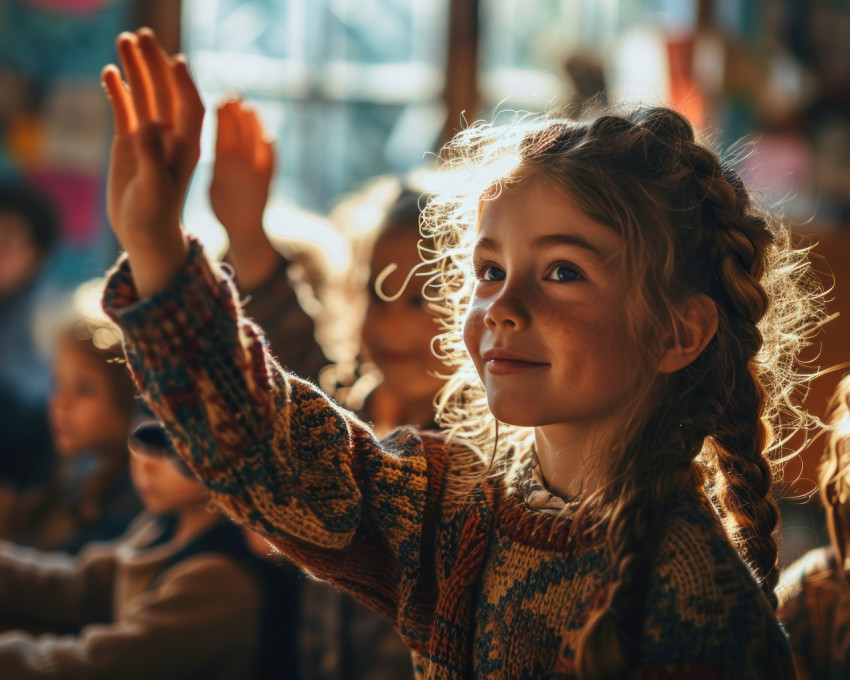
{"points": [[276, 453], [242, 173]]}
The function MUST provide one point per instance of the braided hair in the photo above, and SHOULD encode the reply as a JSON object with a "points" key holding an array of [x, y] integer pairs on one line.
{"points": [[715, 427]]}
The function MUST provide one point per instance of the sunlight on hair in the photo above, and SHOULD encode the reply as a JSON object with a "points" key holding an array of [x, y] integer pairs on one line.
{"points": [[86, 300]]}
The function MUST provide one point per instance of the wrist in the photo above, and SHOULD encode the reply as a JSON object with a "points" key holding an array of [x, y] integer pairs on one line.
{"points": [[253, 262], [153, 268]]}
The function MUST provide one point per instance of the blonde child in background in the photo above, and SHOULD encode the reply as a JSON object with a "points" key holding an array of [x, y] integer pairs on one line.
{"points": [[815, 593], [89, 496], [629, 322], [176, 597]]}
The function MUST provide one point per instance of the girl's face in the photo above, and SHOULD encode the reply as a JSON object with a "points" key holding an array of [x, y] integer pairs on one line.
{"points": [[163, 487], [84, 411], [398, 334], [547, 327]]}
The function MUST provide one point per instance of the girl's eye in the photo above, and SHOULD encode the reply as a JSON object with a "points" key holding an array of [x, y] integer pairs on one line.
{"points": [[564, 273], [490, 272]]}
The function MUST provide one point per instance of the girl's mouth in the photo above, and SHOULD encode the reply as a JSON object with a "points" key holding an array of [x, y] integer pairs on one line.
{"points": [[504, 362]]}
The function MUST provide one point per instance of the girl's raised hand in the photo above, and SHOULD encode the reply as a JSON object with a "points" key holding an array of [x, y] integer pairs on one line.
{"points": [[158, 116]]}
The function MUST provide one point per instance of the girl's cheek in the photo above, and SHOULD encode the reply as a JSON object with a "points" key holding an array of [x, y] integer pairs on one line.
{"points": [[473, 327]]}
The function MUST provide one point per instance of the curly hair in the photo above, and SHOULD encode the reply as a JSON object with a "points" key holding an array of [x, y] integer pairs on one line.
{"points": [[718, 425]]}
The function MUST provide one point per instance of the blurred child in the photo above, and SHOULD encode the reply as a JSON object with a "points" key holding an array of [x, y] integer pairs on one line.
{"points": [[625, 322], [339, 638], [29, 229], [399, 324], [89, 496], [176, 597], [815, 592]]}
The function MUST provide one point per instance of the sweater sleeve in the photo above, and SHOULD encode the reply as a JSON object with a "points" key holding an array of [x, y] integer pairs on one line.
{"points": [[54, 591], [201, 621], [276, 453]]}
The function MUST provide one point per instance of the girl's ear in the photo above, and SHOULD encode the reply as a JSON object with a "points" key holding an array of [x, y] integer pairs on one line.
{"points": [[699, 324]]}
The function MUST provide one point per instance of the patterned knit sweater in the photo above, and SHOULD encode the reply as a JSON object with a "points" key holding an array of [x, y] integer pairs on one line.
{"points": [[479, 586]]}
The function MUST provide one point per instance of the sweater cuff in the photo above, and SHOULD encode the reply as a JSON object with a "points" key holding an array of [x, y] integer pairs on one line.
{"points": [[174, 320]]}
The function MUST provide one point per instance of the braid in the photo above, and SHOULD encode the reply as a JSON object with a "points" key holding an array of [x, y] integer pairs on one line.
{"points": [[740, 244]]}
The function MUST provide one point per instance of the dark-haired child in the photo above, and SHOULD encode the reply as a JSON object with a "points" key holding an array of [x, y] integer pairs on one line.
{"points": [[29, 229], [624, 325]]}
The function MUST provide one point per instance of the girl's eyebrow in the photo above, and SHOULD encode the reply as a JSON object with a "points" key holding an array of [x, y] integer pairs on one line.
{"points": [[485, 243], [547, 241], [552, 240]]}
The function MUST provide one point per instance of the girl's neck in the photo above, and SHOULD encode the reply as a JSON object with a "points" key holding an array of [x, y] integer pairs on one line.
{"points": [[192, 522], [569, 459]]}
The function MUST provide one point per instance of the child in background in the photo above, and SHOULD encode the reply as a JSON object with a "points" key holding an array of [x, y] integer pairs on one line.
{"points": [[176, 597], [631, 321], [398, 325], [340, 638], [815, 592], [89, 496], [29, 229]]}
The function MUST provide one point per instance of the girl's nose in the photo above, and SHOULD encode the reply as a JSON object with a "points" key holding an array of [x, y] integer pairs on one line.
{"points": [[507, 310]]}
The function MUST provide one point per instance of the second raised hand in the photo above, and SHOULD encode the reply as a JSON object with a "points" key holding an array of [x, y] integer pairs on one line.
{"points": [[242, 175], [158, 117]]}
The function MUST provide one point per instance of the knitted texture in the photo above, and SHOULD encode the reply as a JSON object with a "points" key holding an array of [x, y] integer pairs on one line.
{"points": [[482, 586], [815, 608]]}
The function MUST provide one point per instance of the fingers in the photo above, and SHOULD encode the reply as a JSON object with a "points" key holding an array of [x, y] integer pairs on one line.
{"points": [[122, 106], [263, 155], [138, 77], [161, 77], [227, 135], [190, 116]]}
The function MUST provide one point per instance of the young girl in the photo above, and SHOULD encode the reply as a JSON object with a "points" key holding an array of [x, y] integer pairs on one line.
{"points": [[620, 303], [816, 591], [89, 496]]}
